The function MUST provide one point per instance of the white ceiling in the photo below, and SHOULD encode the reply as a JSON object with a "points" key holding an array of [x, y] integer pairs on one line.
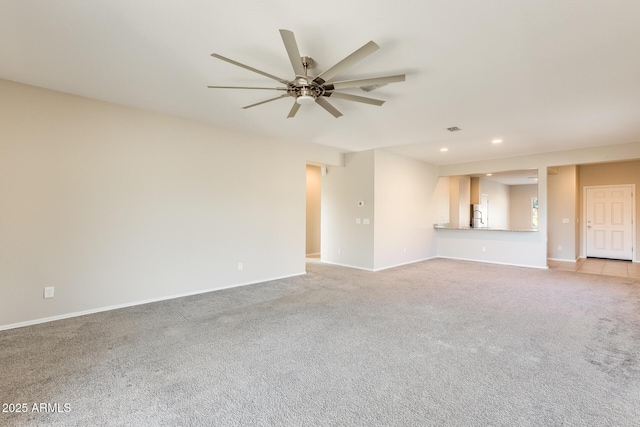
{"points": [[514, 177], [542, 75]]}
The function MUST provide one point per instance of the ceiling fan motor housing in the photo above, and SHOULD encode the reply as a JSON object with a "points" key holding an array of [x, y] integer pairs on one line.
{"points": [[304, 90]]}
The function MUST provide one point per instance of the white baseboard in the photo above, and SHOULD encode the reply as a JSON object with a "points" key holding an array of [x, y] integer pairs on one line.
{"points": [[404, 263], [563, 260], [313, 255], [377, 269], [546, 267], [134, 303], [346, 265]]}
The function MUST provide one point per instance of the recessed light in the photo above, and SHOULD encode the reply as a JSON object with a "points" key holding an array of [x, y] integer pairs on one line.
{"points": [[444, 149], [489, 174], [496, 141]]}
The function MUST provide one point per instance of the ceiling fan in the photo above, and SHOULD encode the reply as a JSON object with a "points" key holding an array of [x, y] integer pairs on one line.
{"points": [[306, 89]]}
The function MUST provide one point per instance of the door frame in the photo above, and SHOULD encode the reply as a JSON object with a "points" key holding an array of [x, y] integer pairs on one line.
{"points": [[634, 256]]}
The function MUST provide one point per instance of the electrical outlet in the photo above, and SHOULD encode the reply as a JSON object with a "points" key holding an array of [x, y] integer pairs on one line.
{"points": [[559, 247], [339, 251], [48, 292], [404, 251], [484, 249], [240, 266]]}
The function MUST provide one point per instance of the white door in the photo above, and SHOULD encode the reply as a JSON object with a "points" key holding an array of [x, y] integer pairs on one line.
{"points": [[609, 222]]}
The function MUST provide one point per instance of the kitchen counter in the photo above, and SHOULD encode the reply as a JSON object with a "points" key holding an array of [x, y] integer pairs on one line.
{"points": [[447, 227]]}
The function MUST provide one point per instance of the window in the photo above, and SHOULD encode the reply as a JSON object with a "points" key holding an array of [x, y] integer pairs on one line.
{"points": [[534, 212]]}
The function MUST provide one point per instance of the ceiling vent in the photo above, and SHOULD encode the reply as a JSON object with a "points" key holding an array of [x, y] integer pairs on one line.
{"points": [[453, 129]]}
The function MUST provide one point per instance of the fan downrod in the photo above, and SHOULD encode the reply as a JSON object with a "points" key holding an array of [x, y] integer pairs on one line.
{"points": [[307, 62]]}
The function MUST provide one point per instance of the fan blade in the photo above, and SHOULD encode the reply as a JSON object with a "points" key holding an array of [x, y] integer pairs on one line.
{"points": [[264, 102], [294, 110], [294, 53], [355, 98], [327, 106], [347, 62], [246, 87], [246, 67], [364, 82]]}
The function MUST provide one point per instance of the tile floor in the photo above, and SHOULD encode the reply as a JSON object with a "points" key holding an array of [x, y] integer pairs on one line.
{"points": [[607, 267]]}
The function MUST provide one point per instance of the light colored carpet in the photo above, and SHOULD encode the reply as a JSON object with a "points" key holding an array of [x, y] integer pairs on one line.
{"points": [[440, 342]]}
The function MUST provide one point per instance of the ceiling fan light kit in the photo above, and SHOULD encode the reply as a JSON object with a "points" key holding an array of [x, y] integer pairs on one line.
{"points": [[305, 89], [305, 99]]}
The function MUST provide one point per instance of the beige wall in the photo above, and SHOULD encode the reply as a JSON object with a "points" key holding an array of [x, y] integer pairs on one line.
{"points": [[399, 197], [520, 215], [562, 193], [313, 210], [616, 173], [115, 206], [498, 211], [440, 201], [404, 210], [343, 241]]}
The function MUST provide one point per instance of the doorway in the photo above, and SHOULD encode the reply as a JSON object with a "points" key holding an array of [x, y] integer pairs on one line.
{"points": [[609, 226], [314, 177]]}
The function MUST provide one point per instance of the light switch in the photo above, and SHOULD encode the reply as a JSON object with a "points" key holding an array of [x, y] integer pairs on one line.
{"points": [[366, 221], [565, 220], [358, 220]]}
